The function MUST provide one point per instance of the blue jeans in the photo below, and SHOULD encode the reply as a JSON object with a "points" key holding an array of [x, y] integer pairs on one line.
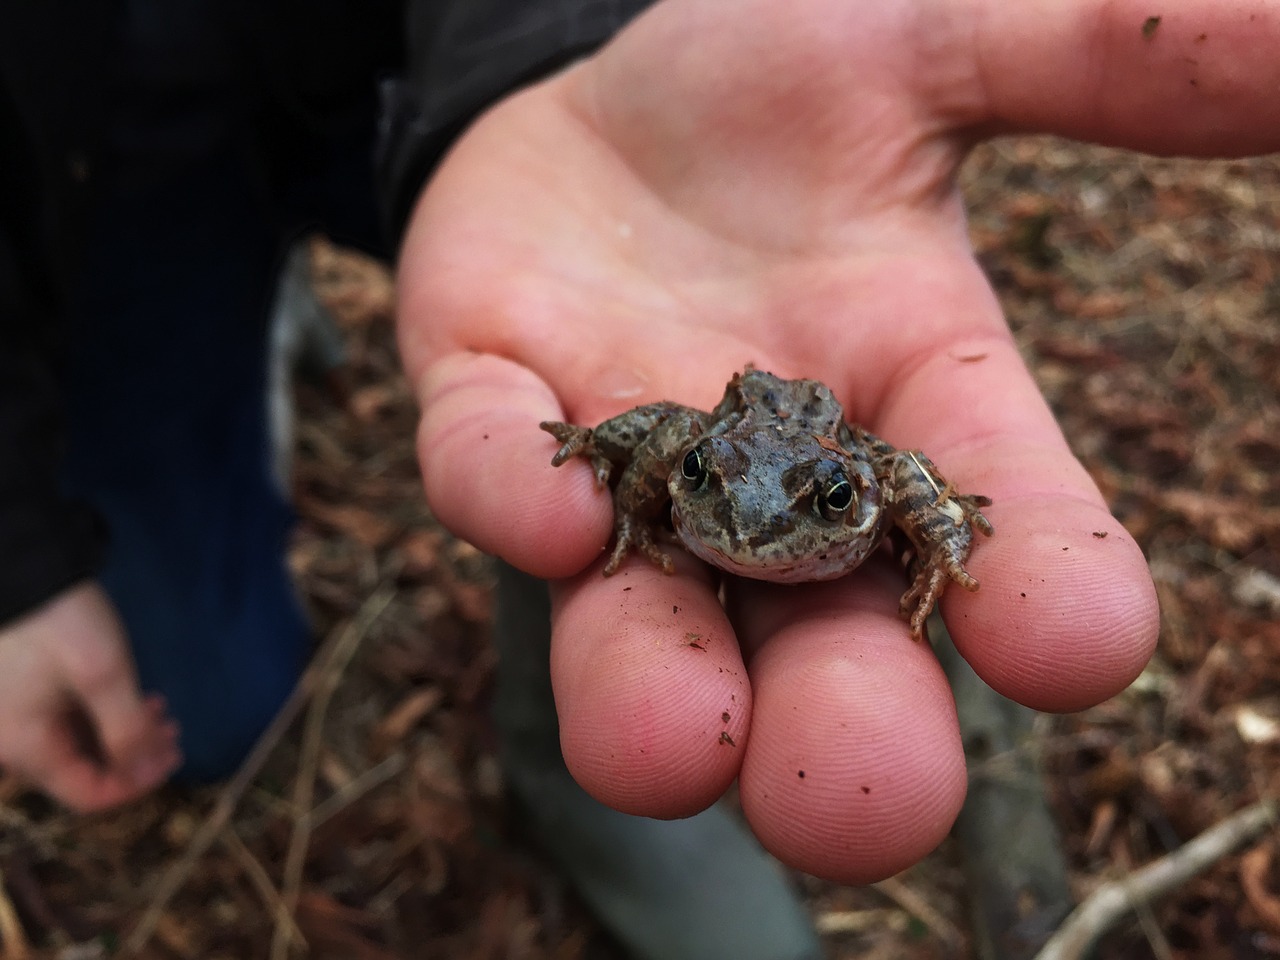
{"points": [[167, 437]]}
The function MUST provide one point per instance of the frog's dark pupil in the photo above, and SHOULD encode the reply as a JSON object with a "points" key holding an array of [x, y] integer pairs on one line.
{"points": [[839, 495], [691, 467]]}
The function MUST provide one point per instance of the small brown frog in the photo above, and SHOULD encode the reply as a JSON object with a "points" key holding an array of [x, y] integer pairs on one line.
{"points": [[773, 484]]}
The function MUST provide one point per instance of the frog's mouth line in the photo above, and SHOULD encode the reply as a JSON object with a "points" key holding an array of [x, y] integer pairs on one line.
{"points": [[834, 561]]}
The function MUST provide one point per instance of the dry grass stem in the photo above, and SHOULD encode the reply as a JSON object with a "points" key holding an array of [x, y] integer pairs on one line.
{"points": [[329, 674], [1106, 905]]}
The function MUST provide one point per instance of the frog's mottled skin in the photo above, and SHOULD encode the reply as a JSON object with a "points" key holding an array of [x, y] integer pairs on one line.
{"points": [[773, 484]]}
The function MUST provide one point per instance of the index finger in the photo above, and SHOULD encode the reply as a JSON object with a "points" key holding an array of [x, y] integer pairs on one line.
{"points": [[486, 467]]}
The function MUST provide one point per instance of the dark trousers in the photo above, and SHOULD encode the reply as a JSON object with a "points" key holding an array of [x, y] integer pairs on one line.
{"points": [[167, 426]]}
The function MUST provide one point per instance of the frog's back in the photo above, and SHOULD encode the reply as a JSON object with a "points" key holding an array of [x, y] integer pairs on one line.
{"points": [[803, 406]]}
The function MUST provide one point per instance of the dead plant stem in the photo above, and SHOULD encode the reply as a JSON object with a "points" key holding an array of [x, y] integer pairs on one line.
{"points": [[304, 784], [1106, 905]]}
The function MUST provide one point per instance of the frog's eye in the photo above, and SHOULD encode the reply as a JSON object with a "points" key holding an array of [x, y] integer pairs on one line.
{"points": [[836, 496], [694, 468]]}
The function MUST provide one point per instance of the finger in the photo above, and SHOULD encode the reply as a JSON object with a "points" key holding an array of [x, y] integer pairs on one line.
{"points": [[1066, 614], [854, 768], [652, 695], [1193, 78], [487, 467], [136, 741], [55, 764]]}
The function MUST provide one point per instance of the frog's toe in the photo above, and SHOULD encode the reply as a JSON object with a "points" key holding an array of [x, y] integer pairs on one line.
{"points": [[926, 590], [918, 602], [620, 551], [573, 439], [643, 540], [635, 535], [961, 576], [603, 470], [971, 505], [658, 557]]}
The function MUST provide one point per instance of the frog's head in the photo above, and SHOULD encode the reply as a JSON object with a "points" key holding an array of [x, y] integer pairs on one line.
{"points": [[783, 511]]}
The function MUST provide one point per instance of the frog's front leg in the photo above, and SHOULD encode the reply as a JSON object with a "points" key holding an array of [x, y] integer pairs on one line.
{"points": [[635, 450], [937, 520], [610, 446]]}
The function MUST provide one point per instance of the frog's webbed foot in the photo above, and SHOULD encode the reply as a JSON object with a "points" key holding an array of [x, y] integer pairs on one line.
{"points": [[631, 533], [939, 524], [578, 442], [622, 450], [929, 578]]}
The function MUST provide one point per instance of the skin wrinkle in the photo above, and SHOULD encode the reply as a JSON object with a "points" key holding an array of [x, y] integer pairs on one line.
{"points": [[987, 118], [896, 381], [872, 203], [580, 109], [952, 102], [518, 347], [513, 330], [434, 388]]}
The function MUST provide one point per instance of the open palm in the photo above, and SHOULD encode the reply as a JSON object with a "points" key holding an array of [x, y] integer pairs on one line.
{"points": [[773, 184]]}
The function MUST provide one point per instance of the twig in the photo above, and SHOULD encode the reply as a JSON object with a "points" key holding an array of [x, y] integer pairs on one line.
{"points": [[1088, 922], [918, 907], [261, 882], [365, 782], [229, 796], [13, 942], [836, 922], [330, 675], [1156, 940]]}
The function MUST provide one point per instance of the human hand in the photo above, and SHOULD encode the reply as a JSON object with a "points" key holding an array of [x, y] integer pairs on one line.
{"points": [[774, 183], [72, 720]]}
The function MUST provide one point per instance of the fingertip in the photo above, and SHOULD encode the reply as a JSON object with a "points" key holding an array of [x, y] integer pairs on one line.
{"points": [[1066, 615], [652, 696], [487, 471], [855, 768], [157, 766], [77, 782]]}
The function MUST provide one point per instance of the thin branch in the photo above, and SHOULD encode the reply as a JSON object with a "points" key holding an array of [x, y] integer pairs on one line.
{"points": [[261, 882], [304, 784], [920, 908], [366, 782], [1088, 922]]}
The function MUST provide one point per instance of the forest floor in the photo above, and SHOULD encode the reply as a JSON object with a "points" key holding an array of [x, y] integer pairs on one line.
{"points": [[1145, 296]]}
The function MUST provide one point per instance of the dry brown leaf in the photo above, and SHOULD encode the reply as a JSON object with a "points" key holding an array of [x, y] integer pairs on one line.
{"points": [[1257, 877], [335, 929], [363, 525], [394, 728]]}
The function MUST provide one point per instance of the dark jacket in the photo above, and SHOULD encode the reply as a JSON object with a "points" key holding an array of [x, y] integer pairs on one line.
{"points": [[277, 72]]}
